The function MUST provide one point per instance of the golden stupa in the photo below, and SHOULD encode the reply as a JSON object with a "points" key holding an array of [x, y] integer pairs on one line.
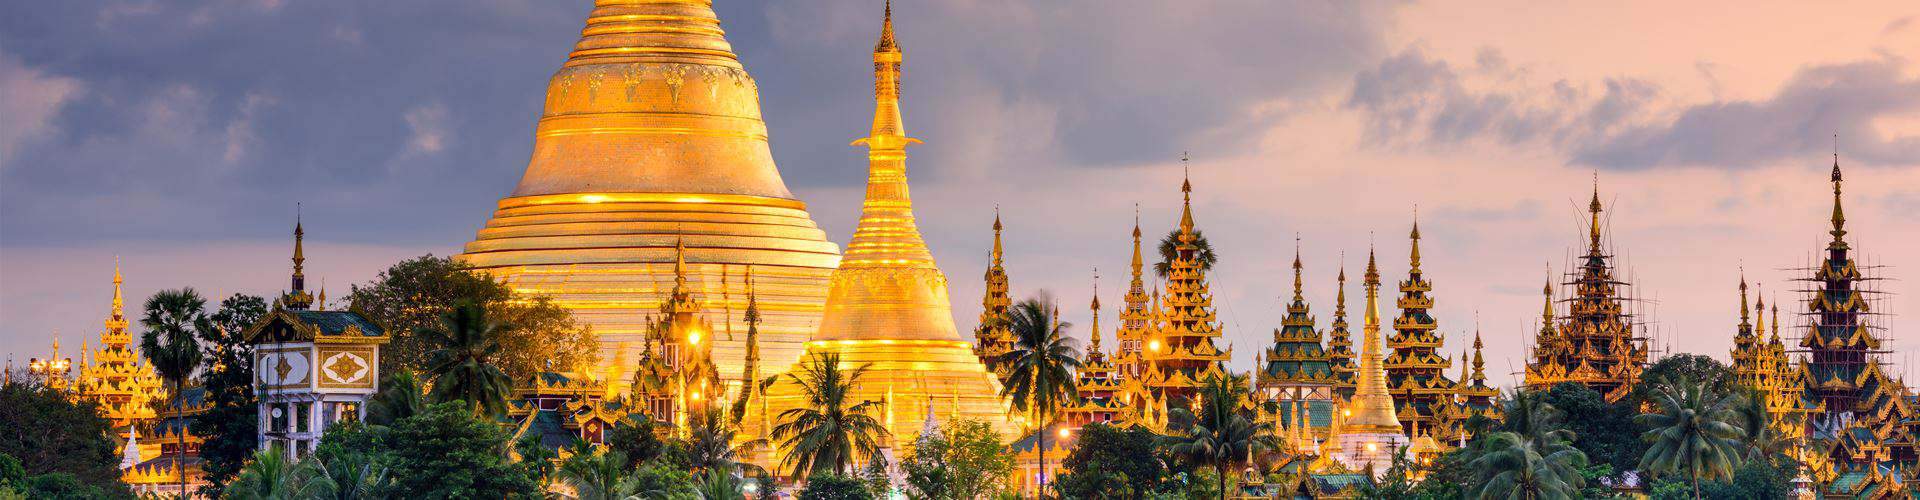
{"points": [[888, 306], [652, 134]]}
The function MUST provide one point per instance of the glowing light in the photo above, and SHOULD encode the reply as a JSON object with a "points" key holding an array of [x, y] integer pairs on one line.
{"points": [[1373, 447], [1064, 432], [1154, 346], [593, 198], [693, 338], [696, 396]]}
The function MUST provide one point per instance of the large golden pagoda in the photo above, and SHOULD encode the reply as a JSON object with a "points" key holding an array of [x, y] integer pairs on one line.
{"points": [[1369, 432], [888, 306], [652, 134]]}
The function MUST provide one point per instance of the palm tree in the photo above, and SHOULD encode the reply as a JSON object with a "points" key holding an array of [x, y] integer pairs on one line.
{"points": [[597, 476], [271, 476], [1693, 433], [1220, 435], [1039, 367], [349, 476], [1529, 414], [172, 319], [462, 367], [1170, 248], [711, 448], [1529, 467], [831, 431], [720, 487], [1760, 438], [400, 397]]}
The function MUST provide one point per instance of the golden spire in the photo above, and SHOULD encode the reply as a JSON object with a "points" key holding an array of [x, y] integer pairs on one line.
{"points": [[1760, 307], [886, 43], [1546, 311], [1340, 298], [1776, 322], [1093, 345], [998, 253], [1479, 362], [119, 304], [1413, 258], [1745, 323], [1373, 410], [297, 298], [1593, 227], [1186, 201], [1839, 217], [887, 235], [891, 304]]}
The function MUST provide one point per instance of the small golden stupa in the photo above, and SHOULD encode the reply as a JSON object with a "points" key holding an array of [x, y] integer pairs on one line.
{"points": [[651, 135], [888, 305]]}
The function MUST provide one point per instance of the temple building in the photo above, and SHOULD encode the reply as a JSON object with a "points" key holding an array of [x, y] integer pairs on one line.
{"points": [[1098, 385], [1180, 352], [991, 340], [1594, 343], [1340, 344], [1863, 433], [1369, 433], [1761, 363], [1295, 373], [652, 135], [677, 377], [113, 375], [887, 306], [1416, 374], [1129, 357]]}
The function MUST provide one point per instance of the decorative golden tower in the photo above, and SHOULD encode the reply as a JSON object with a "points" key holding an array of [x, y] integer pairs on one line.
{"points": [[1416, 374], [1099, 385], [1594, 343], [888, 307], [991, 340], [1136, 317], [1180, 351], [1340, 343], [112, 374], [1294, 373], [652, 134], [1370, 432]]}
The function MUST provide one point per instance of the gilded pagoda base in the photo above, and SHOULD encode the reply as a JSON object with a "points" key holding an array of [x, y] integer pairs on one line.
{"points": [[911, 377]]}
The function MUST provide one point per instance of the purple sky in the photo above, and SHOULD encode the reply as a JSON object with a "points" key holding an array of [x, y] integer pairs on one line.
{"points": [[179, 135]]}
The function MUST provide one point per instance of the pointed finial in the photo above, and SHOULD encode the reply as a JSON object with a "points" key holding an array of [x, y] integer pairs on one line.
{"points": [[887, 43], [1413, 258], [1593, 208], [1839, 216], [1743, 297], [1297, 293]]}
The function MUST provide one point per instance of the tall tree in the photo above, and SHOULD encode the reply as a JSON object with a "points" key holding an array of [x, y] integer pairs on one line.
{"points": [[1530, 467], [1693, 432], [712, 447], [963, 459], [443, 452], [50, 433], [400, 397], [1170, 248], [830, 431], [415, 293], [597, 476], [1039, 367], [1112, 463], [270, 475], [1220, 434], [229, 428], [462, 366], [173, 317]]}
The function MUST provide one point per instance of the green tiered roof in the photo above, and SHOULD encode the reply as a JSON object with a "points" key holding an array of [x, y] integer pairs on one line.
{"points": [[1296, 357]]}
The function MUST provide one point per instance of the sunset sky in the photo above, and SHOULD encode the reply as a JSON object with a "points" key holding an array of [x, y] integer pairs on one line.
{"points": [[179, 136]]}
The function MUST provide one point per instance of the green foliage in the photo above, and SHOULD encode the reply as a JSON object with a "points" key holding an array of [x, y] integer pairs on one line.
{"points": [[1393, 485], [711, 445], [46, 432], [1169, 248], [351, 476], [660, 480], [1693, 433], [172, 318], [1703, 370], [1755, 479], [539, 458], [1452, 476], [1112, 463], [1604, 432], [271, 476], [444, 452], [634, 437], [1220, 435], [830, 431], [596, 476], [828, 486], [1517, 466], [874, 476], [11, 472], [230, 426], [962, 459], [65, 486], [1039, 368], [462, 363], [415, 293], [400, 397]]}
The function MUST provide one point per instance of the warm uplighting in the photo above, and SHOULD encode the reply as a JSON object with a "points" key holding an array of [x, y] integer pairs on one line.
{"points": [[693, 338], [1373, 447], [696, 396], [1154, 346], [1064, 432]]}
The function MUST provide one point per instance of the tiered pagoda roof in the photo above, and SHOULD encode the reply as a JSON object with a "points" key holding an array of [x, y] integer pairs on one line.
{"points": [[1415, 371], [1180, 349], [113, 375], [991, 340], [1594, 343], [1100, 385], [1340, 344], [1297, 357]]}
